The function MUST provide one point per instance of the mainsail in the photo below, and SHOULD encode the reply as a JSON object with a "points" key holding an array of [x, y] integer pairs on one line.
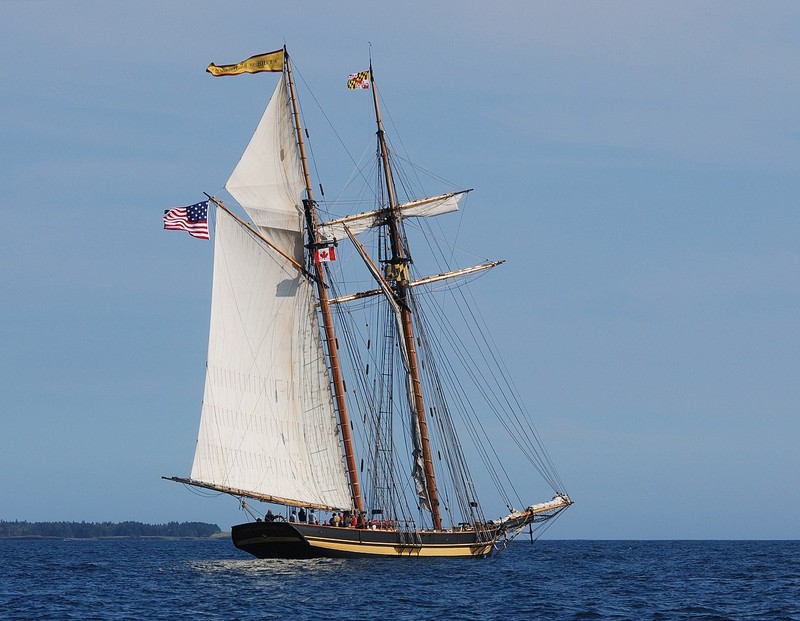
{"points": [[268, 426]]}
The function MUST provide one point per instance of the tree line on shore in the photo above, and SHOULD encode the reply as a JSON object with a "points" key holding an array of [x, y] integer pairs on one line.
{"points": [[89, 530]]}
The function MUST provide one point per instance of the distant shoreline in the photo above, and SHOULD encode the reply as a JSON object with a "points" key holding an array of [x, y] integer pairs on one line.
{"points": [[107, 530], [221, 535]]}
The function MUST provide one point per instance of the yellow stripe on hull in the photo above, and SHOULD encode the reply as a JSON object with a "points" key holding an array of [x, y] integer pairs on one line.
{"points": [[390, 549]]}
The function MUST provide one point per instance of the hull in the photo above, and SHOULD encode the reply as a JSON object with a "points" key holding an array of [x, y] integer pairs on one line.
{"points": [[295, 540]]}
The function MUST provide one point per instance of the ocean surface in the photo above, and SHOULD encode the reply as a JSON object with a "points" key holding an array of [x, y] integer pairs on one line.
{"points": [[209, 579]]}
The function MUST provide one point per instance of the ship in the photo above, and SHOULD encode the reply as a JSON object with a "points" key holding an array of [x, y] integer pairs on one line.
{"points": [[365, 418]]}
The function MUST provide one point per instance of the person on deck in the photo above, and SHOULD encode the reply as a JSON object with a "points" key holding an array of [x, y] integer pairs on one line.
{"points": [[302, 515], [269, 517], [293, 517]]}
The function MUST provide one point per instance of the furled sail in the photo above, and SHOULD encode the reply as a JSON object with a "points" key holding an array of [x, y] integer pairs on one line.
{"points": [[267, 425], [418, 462], [358, 223], [268, 180]]}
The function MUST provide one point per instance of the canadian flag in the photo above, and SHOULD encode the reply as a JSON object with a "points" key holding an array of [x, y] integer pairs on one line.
{"points": [[325, 254]]}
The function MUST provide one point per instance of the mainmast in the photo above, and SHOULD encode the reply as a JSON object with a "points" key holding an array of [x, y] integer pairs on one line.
{"points": [[397, 272], [327, 322]]}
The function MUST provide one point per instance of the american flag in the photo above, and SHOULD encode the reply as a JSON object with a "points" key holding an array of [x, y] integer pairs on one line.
{"points": [[192, 219]]}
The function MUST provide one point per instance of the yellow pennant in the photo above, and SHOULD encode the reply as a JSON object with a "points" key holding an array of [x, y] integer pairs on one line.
{"points": [[272, 61]]}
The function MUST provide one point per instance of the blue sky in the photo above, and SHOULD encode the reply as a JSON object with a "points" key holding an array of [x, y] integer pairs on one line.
{"points": [[636, 164]]}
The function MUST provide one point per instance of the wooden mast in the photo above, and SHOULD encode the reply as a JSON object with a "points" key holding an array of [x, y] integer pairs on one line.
{"points": [[399, 264], [327, 322]]}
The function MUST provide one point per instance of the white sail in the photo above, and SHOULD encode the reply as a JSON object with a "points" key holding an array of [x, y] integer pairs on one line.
{"points": [[268, 425], [358, 223], [268, 181]]}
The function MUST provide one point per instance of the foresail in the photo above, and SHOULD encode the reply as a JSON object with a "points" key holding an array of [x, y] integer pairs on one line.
{"points": [[268, 180], [267, 425]]}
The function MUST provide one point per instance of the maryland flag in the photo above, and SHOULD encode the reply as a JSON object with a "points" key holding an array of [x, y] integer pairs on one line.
{"points": [[272, 61], [358, 80]]}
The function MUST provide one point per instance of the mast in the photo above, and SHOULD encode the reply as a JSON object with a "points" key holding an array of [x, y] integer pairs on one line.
{"points": [[398, 268], [327, 322]]}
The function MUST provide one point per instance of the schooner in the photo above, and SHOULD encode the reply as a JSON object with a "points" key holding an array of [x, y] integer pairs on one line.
{"points": [[373, 462]]}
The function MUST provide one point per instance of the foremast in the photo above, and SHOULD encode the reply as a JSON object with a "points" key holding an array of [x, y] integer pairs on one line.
{"points": [[397, 274], [314, 242]]}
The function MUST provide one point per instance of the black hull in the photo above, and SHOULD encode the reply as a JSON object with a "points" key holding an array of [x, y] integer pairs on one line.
{"points": [[295, 540]]}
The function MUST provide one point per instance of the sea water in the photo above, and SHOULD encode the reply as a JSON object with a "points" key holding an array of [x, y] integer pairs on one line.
{"points": [[209, 579]]}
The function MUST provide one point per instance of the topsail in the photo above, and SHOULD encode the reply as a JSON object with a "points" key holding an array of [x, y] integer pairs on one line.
{"points": [[268, 180]]}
